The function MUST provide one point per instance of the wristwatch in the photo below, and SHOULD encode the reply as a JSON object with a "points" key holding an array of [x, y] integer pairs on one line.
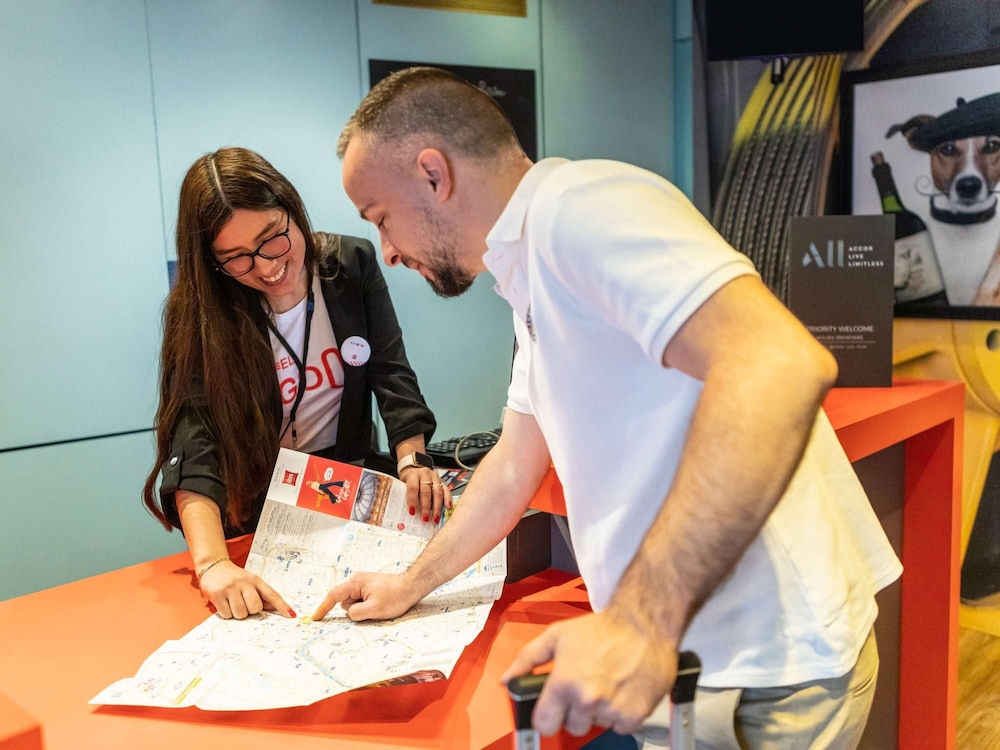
{"points": [[414, 459]]}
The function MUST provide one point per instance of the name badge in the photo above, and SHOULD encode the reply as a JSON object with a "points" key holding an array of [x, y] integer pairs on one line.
{"points": [[355, 351]]}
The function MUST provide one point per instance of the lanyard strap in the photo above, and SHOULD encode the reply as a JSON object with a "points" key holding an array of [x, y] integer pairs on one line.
{"points": [[299, 363]]}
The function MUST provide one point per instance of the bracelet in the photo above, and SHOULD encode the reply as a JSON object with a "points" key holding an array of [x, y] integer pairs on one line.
{"points": [[210, 566]]}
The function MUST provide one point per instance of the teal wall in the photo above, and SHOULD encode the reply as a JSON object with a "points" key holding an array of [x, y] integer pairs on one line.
{"points": [[105, 104]]}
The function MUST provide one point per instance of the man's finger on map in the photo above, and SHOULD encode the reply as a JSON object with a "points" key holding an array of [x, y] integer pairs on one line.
{"points": [[334, 595]]}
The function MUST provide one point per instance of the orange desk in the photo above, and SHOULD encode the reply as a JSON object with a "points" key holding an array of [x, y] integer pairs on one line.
{"points": [[61, 646], [927, 417], [18, 729]]}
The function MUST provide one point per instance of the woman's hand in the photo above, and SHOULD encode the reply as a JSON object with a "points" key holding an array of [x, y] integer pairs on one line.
{"points": [[426, 494], [238, 593]]}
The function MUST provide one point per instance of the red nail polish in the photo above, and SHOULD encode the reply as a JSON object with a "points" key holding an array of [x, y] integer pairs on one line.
{"points": [[292, 612], [437, 519], [413, 511], [426, 519]]}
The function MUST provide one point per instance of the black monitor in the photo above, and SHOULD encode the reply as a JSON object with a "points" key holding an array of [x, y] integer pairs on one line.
{"points": [[771, 29]]}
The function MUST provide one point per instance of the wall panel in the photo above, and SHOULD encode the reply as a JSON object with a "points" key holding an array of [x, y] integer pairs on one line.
{"points": [[608, 81], [82, 245], [72, 511], [277, 77]]}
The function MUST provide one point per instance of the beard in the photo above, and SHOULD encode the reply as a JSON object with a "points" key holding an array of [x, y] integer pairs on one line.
{"points": [[450, 279]]}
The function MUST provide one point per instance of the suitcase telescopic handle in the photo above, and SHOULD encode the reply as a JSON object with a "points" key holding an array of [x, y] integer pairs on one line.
{"points": [[524, 692], [682, 701]]}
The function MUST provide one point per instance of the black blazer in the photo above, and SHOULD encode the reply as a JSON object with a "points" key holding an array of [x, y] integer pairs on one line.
{"points": [[357, 298]]}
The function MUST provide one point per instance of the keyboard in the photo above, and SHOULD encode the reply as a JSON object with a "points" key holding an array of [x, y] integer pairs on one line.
{"points": [[471, 449]]}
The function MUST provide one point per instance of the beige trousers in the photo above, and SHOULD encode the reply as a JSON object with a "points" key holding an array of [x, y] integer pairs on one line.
{"points": [[818, 715]]}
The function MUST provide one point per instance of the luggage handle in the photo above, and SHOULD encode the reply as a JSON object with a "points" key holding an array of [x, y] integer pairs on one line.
{"points": [[524, 692]]}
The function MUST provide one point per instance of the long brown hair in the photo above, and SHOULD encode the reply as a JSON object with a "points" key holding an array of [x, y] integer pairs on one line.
{"points": [[216, 357]]}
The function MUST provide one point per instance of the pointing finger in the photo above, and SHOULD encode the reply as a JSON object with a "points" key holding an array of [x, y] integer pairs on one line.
{"points": [[334, 596], [274, 600]]}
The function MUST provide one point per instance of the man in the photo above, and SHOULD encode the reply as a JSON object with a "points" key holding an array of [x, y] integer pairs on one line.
{"points": [[652, 362]]}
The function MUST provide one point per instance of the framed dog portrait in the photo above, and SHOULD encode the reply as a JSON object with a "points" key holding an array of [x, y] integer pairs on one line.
{"points": [[923, 143]]}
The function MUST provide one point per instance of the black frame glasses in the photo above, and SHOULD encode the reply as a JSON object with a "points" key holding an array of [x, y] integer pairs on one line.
{"points": [[283, 240]]}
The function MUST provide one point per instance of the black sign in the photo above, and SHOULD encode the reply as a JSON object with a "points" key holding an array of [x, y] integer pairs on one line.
{"points": [[840, 285]]}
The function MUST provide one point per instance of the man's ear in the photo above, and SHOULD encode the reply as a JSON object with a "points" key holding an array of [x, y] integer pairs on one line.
{"points": [[436, 170]]}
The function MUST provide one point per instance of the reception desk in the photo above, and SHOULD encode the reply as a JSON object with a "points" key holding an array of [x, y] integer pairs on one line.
{"points": [[926, 417], [61, 646]]}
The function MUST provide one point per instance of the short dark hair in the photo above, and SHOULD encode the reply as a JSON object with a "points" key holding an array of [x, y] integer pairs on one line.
{"points": [[432, 101]]}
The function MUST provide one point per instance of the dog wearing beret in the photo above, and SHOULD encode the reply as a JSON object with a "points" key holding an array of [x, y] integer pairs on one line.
{"points": [[964, 149], [963, 145]]}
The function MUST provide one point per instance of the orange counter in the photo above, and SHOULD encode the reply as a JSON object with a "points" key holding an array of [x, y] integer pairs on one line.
{"points": [[61, 646], [64, 645], [926, 416], [18, 729]]}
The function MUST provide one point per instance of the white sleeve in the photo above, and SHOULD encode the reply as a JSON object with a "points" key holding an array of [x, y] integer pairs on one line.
{"points": [[517, 392], [640, 256]]}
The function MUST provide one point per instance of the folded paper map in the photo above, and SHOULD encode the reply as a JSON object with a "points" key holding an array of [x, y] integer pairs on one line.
{"points": [[322, 522]]}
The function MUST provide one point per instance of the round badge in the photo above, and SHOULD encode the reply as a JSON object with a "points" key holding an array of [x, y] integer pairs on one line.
{"points": [[355, 351]]}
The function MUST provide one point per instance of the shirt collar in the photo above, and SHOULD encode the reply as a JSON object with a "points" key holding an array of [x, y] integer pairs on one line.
{"points": [[505, 238]]}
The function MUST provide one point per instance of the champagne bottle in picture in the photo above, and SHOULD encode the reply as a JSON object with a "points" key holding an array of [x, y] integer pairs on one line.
{"points": [[917, 277]]}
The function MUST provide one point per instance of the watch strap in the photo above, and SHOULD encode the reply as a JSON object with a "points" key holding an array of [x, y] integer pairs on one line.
{"points": [[414, 459]]}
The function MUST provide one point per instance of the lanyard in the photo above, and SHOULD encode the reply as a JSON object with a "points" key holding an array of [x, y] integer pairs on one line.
{"points": [[299, 363]]}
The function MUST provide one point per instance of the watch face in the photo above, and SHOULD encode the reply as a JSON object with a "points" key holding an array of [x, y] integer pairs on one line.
{"points": [[416, 459]]}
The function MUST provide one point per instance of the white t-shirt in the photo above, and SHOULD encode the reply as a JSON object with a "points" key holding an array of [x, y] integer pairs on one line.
{"points": [[602, 263], [318, 415]]}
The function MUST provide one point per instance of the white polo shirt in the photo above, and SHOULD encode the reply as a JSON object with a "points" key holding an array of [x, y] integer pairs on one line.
{"points": [[602, 263]]}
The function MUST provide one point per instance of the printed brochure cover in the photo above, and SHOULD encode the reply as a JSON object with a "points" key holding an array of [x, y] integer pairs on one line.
{"points": [[345, 491]]}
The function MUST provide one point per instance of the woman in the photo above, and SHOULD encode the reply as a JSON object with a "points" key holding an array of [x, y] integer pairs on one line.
{"points": [[258, 294]]}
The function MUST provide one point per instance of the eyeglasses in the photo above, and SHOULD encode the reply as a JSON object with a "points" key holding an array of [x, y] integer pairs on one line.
{"points": [[270, 249]]}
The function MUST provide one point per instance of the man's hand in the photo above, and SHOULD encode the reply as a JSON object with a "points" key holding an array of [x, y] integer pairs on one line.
{"points": [[370, 596], [237, 593], [606, 672]]}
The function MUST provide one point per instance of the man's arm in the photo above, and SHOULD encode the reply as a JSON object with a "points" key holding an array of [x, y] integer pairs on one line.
{"points": [[764, 380], [765, 377], [493, 502]]}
